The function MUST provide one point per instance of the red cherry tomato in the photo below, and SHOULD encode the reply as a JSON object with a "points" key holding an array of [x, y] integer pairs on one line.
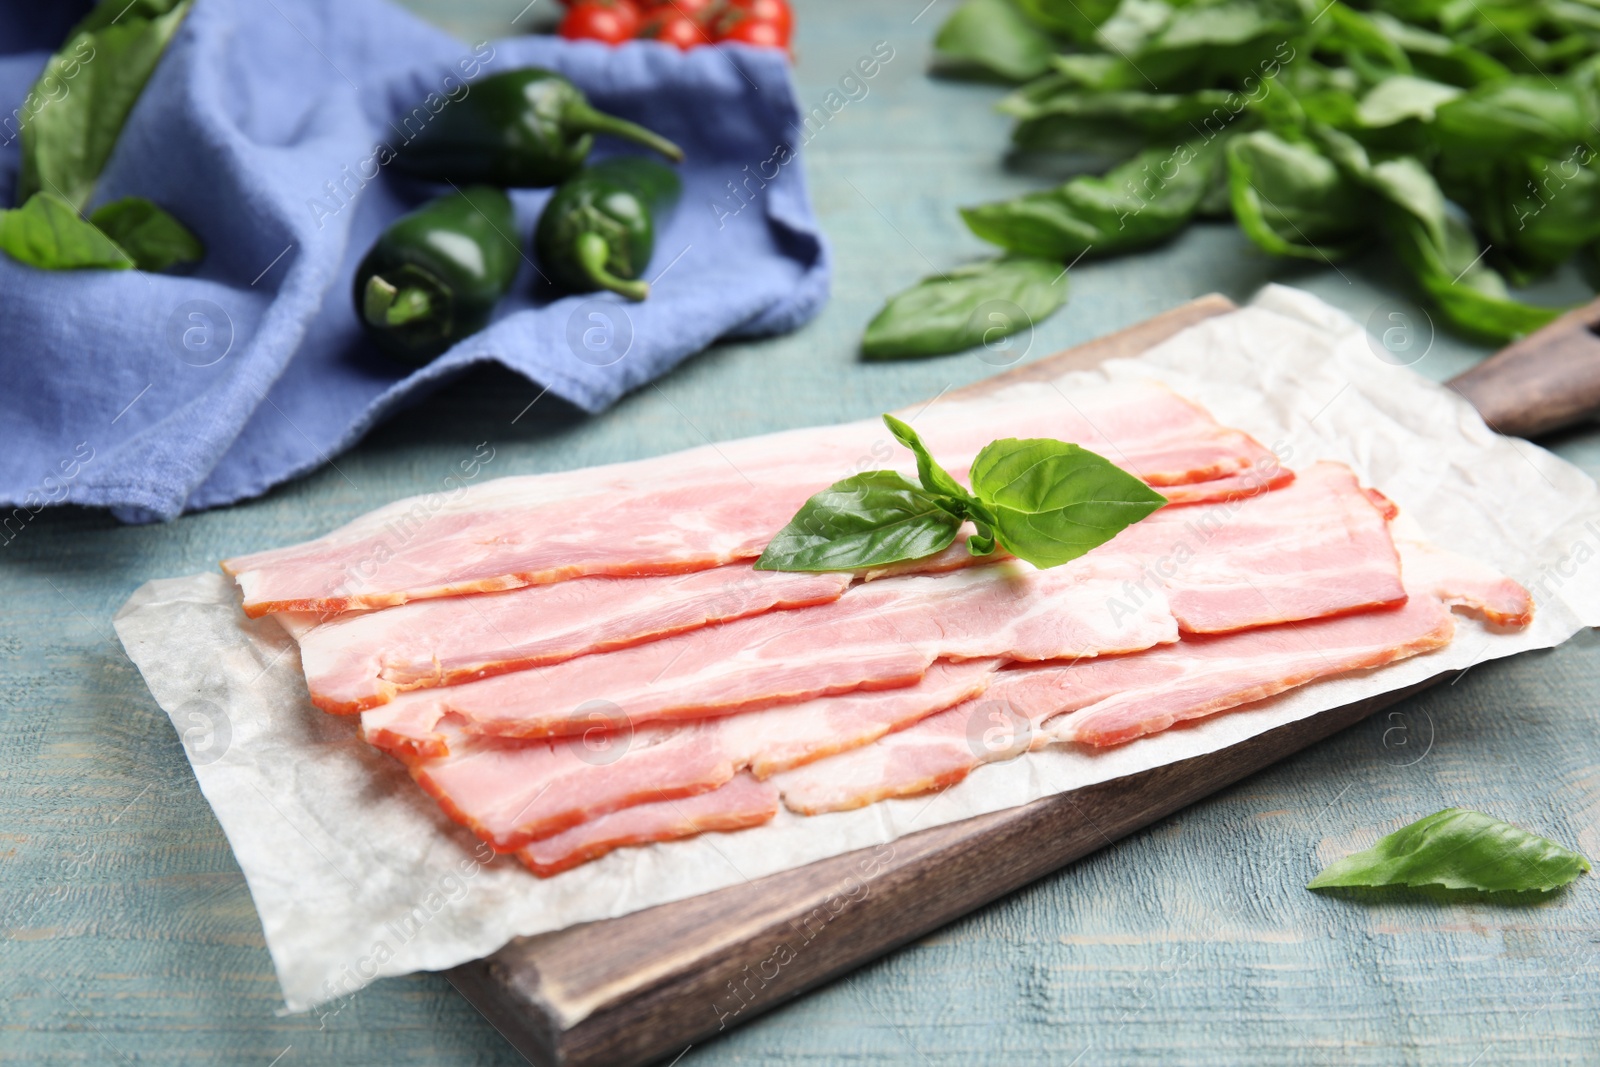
{"points": [[680, 31], [757, 32], [776, 12], [611, 21], [695, 9]]}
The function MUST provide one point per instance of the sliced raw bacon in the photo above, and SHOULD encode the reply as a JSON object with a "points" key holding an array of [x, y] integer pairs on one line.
{"points": [[1316, 548], [1114, 700], [777, 739], [877, 636], [363, 660], [1464, 582], [513, 791], [742, 803], [716, 504]]}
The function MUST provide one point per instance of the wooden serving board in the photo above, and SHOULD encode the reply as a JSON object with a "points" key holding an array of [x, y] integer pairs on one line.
{"points": [[631, 990]]}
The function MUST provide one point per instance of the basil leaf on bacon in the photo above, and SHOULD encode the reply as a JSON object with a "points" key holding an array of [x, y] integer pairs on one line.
{"points": [[1051, 501], [867, 520]]}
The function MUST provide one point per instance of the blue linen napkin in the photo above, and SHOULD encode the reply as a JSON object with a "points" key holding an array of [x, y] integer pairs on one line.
{"points": [[153, 394]]}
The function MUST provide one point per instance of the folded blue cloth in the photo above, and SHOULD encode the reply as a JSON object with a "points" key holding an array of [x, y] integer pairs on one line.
{"points": [[153, 394]]}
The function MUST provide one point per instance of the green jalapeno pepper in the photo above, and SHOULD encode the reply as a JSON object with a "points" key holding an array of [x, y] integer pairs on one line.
{"points": [[434, 276], [598, 230], [522, 129]]}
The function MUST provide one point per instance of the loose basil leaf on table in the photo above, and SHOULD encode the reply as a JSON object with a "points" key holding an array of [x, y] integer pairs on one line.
{"points": [[867, 520], [995, 36], [67, 143], [980, 303], [152, 238], [1052, 502], [1458, 849], [1134, 205], [47, 232]]}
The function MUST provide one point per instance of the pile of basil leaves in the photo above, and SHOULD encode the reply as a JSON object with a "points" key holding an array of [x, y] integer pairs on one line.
{"points": [[1458, 133], [69, 124]]}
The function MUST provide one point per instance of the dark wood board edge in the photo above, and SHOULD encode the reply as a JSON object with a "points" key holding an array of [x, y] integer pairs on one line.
{"points": [[725, 957], [1547, 381]]}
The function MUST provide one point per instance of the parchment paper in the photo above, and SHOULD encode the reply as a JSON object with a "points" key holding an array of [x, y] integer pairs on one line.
{"points": [[356, 874]]}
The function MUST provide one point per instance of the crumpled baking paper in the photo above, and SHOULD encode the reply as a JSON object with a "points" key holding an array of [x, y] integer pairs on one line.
{"points": [[356, 873]]}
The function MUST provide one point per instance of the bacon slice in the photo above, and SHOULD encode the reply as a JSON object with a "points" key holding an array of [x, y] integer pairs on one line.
{"points": [[1464, 582], [716, 504], [1113, 701], [742, 803], [513, 792], [878, 636], [1317, 548], [509, 792], [362, 661]]}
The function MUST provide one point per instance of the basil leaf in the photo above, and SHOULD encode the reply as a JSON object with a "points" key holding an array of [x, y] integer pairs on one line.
{"points": [[1133, 205], [1065, 116], [1437, 56], [1444, 257], [1053, 501], [154, 239], [1292, 200], [1458, 849], [1521, 114], [1071, 18], [867, 520], [1197, 46], [981, 303], [994, 35], [1403, 97], [66, 144], [47, 233], [935, 479]]}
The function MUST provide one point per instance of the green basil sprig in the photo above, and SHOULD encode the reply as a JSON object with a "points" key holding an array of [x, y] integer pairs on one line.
{"points": [[1044, 501], [71, 120], [1458, 849]]}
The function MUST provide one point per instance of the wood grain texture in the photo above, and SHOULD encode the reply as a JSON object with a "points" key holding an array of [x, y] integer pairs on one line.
{"points": [[127, 933], [625, 991], [1548, 381]]}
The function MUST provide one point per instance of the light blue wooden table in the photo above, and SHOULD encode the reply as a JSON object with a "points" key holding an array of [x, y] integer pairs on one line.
{"points": [[129, 935]]}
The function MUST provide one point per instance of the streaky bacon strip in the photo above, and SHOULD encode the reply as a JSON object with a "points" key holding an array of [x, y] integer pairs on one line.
{"points": [[742, 803], [880, 635], [1316, 548], [1464, 582], [1112, 701], [513, 791], [362, 661], [716, 504]]}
